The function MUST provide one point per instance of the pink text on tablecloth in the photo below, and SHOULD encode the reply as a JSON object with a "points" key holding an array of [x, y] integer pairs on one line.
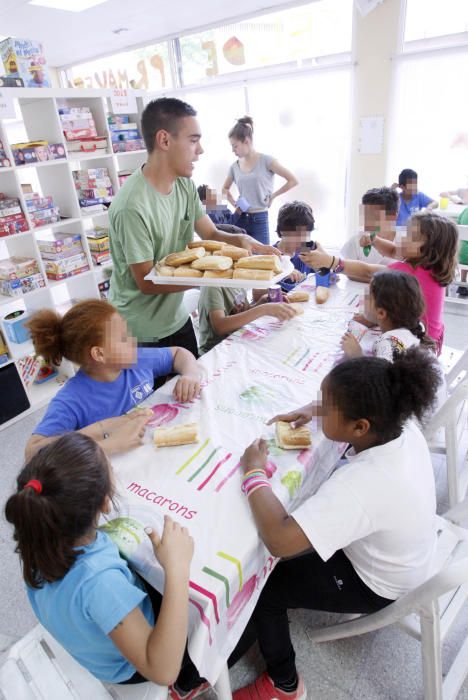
{"points": [[159, 500], [272, 375]]}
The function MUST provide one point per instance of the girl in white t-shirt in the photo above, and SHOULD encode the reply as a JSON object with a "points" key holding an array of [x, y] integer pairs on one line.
{"points": [[368, 535], [395, 304]]}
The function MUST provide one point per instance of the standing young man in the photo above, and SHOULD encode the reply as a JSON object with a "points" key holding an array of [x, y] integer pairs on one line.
{"points": [[154, 214]]}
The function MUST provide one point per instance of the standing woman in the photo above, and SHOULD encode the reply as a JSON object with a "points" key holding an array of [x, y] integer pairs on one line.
{"points": [[253, 174]]}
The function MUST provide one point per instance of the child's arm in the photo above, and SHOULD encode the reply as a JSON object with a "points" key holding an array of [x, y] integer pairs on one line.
{"points": [[222, 324], [350, 346], [386, 248], [157, 652], [123, 433], [281, 534], [188, 384], [354, 269]]}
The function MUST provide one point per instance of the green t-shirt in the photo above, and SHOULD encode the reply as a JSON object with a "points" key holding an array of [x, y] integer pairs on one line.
{"points": [[212, 299], [146, 225]]}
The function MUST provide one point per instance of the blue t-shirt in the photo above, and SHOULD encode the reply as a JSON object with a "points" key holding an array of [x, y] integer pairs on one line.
{"points": [[84, 400], [407, 209], [223, 216], [286, 284], [91, 599]]}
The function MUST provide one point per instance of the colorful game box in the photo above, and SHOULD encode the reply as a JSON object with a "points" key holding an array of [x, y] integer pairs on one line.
{"points": [[24, 59]]}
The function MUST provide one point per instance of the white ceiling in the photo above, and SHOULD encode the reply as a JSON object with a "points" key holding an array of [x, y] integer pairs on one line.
{"points": [[74, 37]]}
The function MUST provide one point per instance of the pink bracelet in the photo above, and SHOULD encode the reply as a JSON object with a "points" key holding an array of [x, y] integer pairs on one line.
{"points": [[265, 484], [253, 485]]}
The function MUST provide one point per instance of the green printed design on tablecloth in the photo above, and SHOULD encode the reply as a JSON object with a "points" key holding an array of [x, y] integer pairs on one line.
{"points": [[220, 577], [194, 455], [207, 461], [292, 481], [258, 393], [234, 561]]}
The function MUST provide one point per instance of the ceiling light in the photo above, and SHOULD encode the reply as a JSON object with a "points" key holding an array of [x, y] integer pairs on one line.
{"points": [[70, 5]]}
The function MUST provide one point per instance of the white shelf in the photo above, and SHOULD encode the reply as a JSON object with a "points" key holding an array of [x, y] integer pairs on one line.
{"points": [[39, 117], [41, 164]]}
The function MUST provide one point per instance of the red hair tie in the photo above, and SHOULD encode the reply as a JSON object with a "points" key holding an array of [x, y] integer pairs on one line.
{"points": [[34, 484]]}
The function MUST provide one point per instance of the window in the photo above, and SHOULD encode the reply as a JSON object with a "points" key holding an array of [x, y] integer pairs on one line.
{"points": [[426, 19], [294, 35], [147, 68]]}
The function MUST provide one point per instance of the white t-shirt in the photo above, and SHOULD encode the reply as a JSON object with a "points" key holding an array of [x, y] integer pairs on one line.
{"points": [[380, 509], [353, 251], [396, 339]]}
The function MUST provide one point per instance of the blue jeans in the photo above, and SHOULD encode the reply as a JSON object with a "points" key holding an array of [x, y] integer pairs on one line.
{"points": [[256, 226]]}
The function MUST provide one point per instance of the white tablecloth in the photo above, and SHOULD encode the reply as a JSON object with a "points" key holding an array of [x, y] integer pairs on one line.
{"points": [[265, 368]]}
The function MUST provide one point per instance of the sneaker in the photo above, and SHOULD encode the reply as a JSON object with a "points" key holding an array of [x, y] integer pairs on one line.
{"points": [[177, 694], [264, 689]]}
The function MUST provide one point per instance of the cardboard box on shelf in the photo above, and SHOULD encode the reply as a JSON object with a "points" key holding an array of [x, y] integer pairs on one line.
{"points": [[61, 246], [17, 266], [66, 267]]}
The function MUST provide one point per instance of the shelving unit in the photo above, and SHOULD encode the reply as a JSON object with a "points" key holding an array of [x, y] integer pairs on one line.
{"points": [[37, 118]]}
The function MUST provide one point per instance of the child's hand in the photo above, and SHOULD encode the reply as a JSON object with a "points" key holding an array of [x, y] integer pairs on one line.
{"points": [[359, 318], [317, 258], [299, 417], [174, 551], [365, 240], [279, 310], [296, 276], [187, 388], [130, 432], [350, 345], [255, 456]]}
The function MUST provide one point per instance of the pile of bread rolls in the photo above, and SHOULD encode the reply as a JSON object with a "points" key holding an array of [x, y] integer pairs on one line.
{"points": [[218, 260]]}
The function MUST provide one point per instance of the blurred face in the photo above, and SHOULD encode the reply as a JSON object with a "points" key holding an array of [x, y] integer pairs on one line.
{"points": [[120, 348], [334, 425], [184, 148], [291, 240], [212, 199], [412, 242], [374, 219], [411, 188], [241, 148]]}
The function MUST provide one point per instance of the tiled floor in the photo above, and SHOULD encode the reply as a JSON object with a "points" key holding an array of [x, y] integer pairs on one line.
{"points": [[383, 665]]}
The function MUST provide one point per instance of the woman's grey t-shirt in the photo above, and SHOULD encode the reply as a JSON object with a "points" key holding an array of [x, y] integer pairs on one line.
{"points": [[255, 186]]}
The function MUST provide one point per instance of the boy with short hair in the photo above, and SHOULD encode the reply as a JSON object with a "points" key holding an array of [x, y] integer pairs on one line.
{"points": [[411, 200], [218, 212], [379, 210]]}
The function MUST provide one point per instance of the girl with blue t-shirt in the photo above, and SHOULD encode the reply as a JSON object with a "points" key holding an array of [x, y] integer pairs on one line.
{"points": [[113, 378], [81, 590]]}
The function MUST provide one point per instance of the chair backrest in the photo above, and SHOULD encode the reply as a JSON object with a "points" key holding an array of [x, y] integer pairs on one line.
{"points": [[462, 232], [191, 297], [458, 372], [448, 415]]}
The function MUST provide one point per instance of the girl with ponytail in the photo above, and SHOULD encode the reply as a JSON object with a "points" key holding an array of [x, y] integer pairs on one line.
{"points": [[368, 535], [253, 174], [114, 377], [395, 304], [79, 587]]}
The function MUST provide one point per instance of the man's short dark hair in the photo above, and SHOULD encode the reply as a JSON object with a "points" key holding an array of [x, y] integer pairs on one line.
{"points": [[166, 114], [293, 215], [383, 197], [201, 189], [405, 175]]}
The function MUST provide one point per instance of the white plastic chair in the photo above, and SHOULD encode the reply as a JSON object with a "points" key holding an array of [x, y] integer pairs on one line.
{"points": [[446, 431], [428, 612], [38, 667]]}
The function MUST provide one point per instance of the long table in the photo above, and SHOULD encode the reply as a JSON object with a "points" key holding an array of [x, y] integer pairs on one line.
{"points": [[263, 369]]}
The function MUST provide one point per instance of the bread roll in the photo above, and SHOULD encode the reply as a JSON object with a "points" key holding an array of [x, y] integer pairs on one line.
{"points": [[186, 271], [298, 296], [166, 436], [240, 274], [260, 262], [164, 270], [321, 294], [292, 438], [184, 257], [220, 274], [234, 252], [207, 245], [213, 262]]}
